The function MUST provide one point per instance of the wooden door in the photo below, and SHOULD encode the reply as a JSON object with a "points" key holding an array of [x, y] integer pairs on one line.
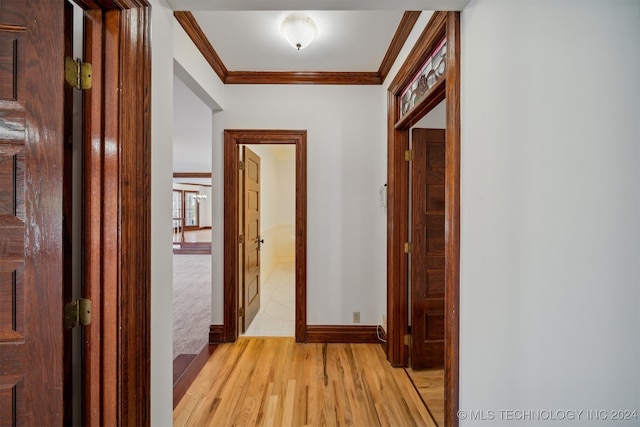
{"points": [[33, 239], [251, 253], [427, 256]]}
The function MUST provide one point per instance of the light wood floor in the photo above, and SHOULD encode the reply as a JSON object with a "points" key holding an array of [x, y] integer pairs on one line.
{"points": [[277, 382], [430, 385]]}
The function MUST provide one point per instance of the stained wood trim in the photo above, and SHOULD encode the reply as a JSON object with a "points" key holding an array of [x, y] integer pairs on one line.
{"points": [[430, 36], [111, 4], [233, 138], [117, 227], [110, 282], [431, 99], [216, 334], [92, 220], [183, 383], [134, 302], [341, 334], [407, 23], [440, 24], [192, 174], [303, 77], [397, 234], [452, 223], [67, 215], [195, 33]]}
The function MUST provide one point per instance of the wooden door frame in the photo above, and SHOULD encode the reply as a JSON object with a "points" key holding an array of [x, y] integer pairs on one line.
{"points": [[117, 212], [232, 139], [441, 24]]}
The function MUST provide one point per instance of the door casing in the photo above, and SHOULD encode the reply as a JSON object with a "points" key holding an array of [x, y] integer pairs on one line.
{"points": [[232, 139], [441, 24], [117, 212]]}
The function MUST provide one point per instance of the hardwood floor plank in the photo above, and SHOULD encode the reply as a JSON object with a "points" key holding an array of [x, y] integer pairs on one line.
{"points": [[430, 385], [277, 382]]}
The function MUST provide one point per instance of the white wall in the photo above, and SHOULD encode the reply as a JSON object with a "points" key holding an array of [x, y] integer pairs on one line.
{"points": [[435, 119], [161, 181], [346, 152], [277, 205], [194, 71], [550, 243], [286, 239]]}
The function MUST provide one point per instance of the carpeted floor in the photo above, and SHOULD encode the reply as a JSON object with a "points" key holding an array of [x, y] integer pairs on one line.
{"points": [[191, 303]]}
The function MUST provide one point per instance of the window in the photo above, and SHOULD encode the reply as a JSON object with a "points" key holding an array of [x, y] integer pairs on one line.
{"points": [[191, 217], [177, 209]]}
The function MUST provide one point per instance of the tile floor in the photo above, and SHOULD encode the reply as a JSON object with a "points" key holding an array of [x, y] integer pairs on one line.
{"points": [[277, 306]]}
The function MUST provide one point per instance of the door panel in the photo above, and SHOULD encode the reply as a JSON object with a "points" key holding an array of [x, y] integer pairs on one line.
{"points": [[428, 256], [32, 244], [251, 215]]}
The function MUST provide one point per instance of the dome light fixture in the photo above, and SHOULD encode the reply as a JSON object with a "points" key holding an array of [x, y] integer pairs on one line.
{"points": [[299, 30]]}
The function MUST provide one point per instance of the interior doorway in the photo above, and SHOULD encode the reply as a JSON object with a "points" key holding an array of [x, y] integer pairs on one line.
{"points": [[430, 74], [233, 243], [276, 315], [191, 226]]}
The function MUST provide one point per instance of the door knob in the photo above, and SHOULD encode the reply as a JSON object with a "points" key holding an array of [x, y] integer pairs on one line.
{"points": [[260, 242]]}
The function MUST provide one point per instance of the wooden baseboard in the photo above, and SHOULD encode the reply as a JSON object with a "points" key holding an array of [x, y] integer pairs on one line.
{"points": [[216, 334], [182, 384], [341, 334]]}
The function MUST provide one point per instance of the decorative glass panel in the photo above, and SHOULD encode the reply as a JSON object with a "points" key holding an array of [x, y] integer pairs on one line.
{"points": [[430, 73]]}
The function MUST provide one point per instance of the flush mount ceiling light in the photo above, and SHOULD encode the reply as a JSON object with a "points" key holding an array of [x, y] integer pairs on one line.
{"points": [[299, 30]]}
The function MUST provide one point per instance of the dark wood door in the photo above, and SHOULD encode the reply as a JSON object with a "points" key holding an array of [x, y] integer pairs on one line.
{"points": [[32, 195], [427, 256], [251, 259]]}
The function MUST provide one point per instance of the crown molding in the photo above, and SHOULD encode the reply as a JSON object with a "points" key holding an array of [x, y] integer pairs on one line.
{"points": [[195, 33], [407, 23], [303, 77]]}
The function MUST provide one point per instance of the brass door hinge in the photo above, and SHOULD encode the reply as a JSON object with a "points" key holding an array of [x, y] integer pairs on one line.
{"points": [[77, 312], [408, 247], [241, 239], [241, 165], [407, 340], [77, 73], [241, 312], [408, 155]]}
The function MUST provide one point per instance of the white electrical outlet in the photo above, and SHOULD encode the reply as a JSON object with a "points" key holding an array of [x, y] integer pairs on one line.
{"points": [[384, 322], [356, 317]]}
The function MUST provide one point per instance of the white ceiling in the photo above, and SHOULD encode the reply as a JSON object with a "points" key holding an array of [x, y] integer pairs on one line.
{"points": [[346, 41], [353, 35], [318, 4]]}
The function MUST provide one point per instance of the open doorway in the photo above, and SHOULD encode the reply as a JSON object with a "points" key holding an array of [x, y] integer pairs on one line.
{"points": [[427, 259], [430, 74], [191, 226], [276, 315], [235, 243]]}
